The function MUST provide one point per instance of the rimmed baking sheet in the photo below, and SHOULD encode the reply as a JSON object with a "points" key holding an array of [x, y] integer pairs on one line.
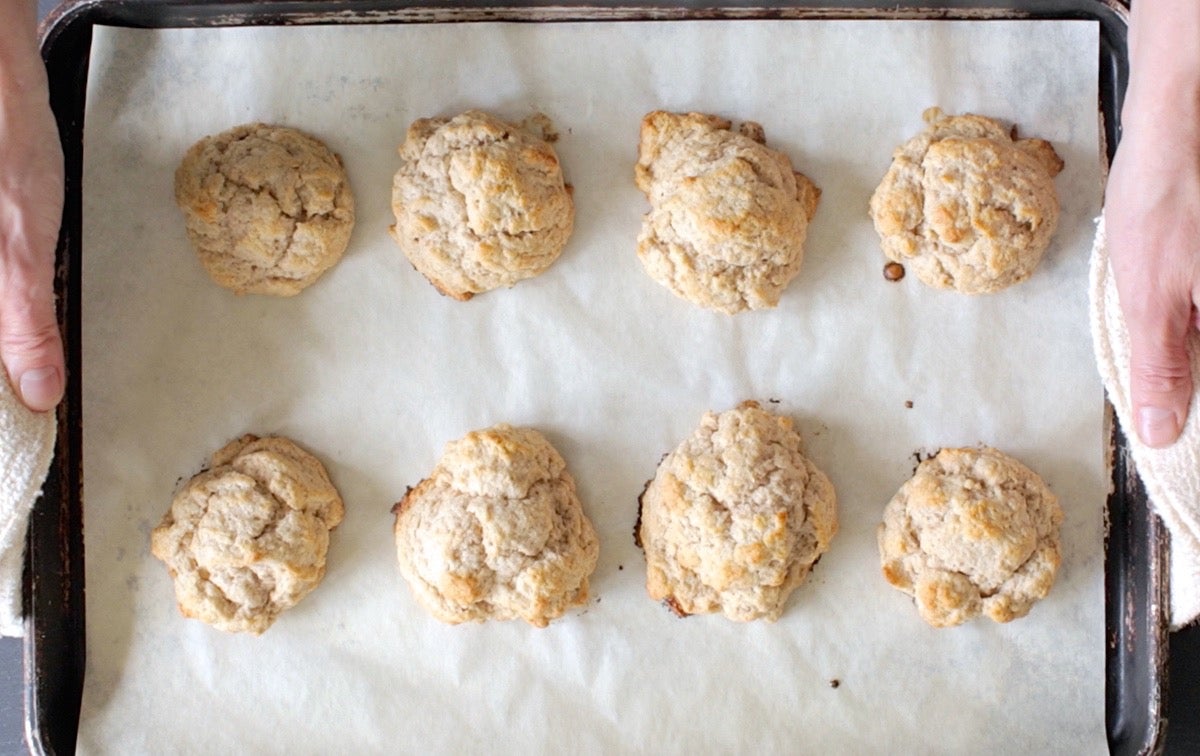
{"points": [[762, 369]]}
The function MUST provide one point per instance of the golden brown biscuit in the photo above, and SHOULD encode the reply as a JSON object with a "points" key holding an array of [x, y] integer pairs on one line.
{"points": [[967, 207], [728, 215], [268, 208], [480, 204], [735, 517], [973, 531], [247, 538], [496, 532]]}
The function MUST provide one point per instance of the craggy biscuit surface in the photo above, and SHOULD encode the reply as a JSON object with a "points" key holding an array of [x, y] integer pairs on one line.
{"points": [[735, 517], [480, 203], [247, 538], [728, 215], [496, 532], [268, 208], [965, 206], [973, 532]]}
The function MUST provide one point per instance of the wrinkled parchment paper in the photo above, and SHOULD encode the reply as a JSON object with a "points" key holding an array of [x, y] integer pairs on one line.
{"points": [[373, 371]]}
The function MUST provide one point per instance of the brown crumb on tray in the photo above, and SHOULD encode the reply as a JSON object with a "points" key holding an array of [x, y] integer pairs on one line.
{"points": [[893, 271], [908, 404], [835, 683]]}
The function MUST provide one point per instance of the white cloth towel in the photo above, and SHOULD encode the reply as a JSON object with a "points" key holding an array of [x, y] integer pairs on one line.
{"points": [[1171, 475], [26, 447]]}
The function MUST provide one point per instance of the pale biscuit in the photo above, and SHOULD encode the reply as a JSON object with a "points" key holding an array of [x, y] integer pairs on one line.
{"points": [[966, 206], [480, 204], [728, 215], [247, 538], [496, 532], [268, 208], [735, 517], [973, 532]]}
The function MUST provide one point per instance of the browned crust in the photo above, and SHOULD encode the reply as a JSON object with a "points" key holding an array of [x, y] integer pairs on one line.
{"points": [[637, 524], [461, 296], [674, 606], [410, 495]]}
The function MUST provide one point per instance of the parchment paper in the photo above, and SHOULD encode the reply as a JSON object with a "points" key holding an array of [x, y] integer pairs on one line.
{"points": [[373, 371]]}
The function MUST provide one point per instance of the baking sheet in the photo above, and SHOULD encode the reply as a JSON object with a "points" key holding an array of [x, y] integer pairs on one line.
{"points": [[374, 372]]}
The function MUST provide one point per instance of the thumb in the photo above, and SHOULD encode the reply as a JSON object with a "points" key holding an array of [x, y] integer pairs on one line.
{"points": [[1160, 384], [31, 346]]}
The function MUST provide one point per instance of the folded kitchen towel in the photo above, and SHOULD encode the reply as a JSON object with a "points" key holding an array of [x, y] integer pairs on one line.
{"points": [[26, 447], [1171, 475]]}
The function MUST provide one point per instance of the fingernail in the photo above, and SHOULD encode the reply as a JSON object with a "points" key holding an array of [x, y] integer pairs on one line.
{"points": [[41, 388], [1157, 426]]}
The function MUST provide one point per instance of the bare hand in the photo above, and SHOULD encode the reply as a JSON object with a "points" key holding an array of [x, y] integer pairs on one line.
{"points": [[1152, 217], [31, 201]]}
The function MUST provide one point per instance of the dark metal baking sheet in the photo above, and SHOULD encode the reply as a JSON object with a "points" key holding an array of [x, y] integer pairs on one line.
{"points": [[1136, 545]]}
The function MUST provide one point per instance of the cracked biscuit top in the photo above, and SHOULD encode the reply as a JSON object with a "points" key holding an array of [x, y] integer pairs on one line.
{"points": [[496, 532], [247, 538], [735, 517], [480, 203], [966, 206], [728, 215], [268, 208], [973, 532]]}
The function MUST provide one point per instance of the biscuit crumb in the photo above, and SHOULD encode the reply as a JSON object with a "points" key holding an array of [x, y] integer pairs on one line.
{"points": [[893, 271], [835, 683], [908, 404]]}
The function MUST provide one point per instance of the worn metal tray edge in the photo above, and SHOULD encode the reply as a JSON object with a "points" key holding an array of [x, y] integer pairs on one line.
{"points": [[54, 647], [1136, 608]]}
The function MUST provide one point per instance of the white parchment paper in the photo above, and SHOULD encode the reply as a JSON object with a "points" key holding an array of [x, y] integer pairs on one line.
{"points": [[373, 371]]}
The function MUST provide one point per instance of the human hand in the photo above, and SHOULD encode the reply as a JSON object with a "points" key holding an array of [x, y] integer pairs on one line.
{"points": [[1152, 219], [31, 201]]}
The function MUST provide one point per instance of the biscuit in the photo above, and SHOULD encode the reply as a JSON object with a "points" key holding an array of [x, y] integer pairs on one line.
{"points": [[268, 209], [496, 532], [973, 532], [728, 215], [247, 538], [480, 204], [966, 206], [735, 517]]}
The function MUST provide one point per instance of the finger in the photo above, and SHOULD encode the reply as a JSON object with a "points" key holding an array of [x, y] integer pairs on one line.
{"points": [[1160, 372], [31, 346]]}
